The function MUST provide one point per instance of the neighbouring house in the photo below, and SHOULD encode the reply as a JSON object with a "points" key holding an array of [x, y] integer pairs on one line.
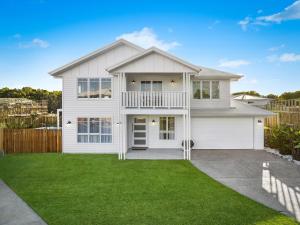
{"points": [[253, 100], [123, 96]]}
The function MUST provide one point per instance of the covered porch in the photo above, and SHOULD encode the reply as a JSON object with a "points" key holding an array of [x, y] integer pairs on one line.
{"points": [[155, 136]]}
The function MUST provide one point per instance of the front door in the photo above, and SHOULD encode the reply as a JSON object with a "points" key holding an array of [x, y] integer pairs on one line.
{"points": [[139, 131]]}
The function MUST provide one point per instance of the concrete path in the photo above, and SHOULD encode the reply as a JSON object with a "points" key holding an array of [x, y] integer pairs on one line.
{"points": [[14, 211], [155, 154], [259, 175]]}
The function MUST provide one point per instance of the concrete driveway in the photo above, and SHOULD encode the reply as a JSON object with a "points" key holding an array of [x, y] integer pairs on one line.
{"points": [[267, 179]]}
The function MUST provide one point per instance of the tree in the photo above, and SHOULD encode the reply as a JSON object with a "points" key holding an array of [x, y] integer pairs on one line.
{"points": [[53, 97]]}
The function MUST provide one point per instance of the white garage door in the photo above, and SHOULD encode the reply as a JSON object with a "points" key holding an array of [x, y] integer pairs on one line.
{"points": [[222, 133]]}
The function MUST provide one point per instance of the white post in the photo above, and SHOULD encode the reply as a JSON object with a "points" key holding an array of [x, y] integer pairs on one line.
{"points": [[189, 112], [183, 115], [119, 117], [57, 118]]}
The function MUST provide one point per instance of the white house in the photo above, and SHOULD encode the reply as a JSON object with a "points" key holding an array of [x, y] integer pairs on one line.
{"points": [[123, 96]]}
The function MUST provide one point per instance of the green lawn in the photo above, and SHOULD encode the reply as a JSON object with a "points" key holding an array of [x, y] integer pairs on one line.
{"points": [[100, 189]]}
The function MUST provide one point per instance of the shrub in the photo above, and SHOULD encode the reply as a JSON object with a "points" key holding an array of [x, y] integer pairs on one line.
{"points": [[283, 138]]}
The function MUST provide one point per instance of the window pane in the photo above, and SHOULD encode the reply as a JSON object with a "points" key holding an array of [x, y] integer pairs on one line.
{"points": [[205, 90], [215, 89], [82, 125], [82, 138], [139, 142], [106, 88], [82, 89], [106, 126], [196, 89], [94, 125], [163, 135], [106, 138], [94, 138], [145, 85], [94, 88], [171, 136], [163, 123], [171, 123], [157, 86]]}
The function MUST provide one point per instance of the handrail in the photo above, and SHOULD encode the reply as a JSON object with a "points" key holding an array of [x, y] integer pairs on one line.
{"points": [[154, 99]]}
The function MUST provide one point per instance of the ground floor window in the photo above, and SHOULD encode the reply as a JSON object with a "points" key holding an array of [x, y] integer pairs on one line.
{"points": [[94, 130], [167, 128]]}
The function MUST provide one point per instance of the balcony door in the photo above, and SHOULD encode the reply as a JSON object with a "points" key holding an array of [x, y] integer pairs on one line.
{"points": [[151, 95], [151, 85], [139, 128]]}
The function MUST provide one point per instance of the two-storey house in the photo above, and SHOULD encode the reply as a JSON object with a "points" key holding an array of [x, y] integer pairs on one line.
{"points": [[123, 97]]}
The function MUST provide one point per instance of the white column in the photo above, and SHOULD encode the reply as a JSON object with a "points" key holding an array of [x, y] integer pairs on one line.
{"points": [[119, 117], [189, 116]]}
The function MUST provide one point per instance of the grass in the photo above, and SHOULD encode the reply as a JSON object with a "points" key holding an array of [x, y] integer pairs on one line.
{"points": [[100, 189]]}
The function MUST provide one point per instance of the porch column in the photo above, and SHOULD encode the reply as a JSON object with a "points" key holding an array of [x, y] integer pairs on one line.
{"points": [[188, 116], [119, 122]]}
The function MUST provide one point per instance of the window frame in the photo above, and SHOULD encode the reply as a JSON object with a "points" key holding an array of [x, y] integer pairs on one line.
{"points": [[167, 131], [99, 91], [210, 90], [100, 132]]}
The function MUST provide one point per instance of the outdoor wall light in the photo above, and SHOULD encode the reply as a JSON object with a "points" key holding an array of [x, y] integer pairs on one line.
{"points": [[68, 124], [153, 122], [133, 82], [118, 123], [259, 121], [172, 82]]}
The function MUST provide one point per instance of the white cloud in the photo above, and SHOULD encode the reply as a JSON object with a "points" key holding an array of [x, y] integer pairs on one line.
{"points": [[259, 11], [276, 48], [36, 42], [233, 63], [244, 23], [292, 12], [286, 57], [148, 38], [289, 57]]}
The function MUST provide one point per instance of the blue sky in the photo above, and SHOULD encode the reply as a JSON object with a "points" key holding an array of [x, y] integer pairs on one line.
{"points": [[260, 40]]}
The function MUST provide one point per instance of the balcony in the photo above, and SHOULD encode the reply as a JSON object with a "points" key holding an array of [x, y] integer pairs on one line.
{"points": [[154, 99]]}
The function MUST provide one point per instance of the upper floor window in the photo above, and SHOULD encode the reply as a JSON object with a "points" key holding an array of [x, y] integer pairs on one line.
{"points": [[206, 89], [94, 88]]}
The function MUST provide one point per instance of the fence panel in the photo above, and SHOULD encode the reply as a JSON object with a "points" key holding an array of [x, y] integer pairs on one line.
{"points": [[30, 140]]}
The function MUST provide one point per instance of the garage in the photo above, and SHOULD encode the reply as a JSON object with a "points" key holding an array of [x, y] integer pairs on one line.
{"points": [[224, 132]]}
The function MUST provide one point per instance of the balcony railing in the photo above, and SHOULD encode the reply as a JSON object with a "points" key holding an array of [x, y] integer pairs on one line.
{"points": [[153, 99]]}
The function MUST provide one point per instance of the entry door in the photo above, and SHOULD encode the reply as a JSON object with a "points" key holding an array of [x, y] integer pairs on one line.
{"points": [[139, 132]]}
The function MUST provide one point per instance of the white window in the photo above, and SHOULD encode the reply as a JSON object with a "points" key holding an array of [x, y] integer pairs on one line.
{"points": [[94, 130], [94, 88], [82, 89], [215, 89], [106, 88], [167, 128], [206, 89]]}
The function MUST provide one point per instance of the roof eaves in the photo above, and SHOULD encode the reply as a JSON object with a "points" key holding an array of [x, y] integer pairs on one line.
{"points": [[149, 51], [84, 58]]}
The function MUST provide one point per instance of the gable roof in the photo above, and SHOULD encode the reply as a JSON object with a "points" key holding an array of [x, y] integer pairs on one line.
{"points": [[151, 51], [213, 73], [93, 54]]}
